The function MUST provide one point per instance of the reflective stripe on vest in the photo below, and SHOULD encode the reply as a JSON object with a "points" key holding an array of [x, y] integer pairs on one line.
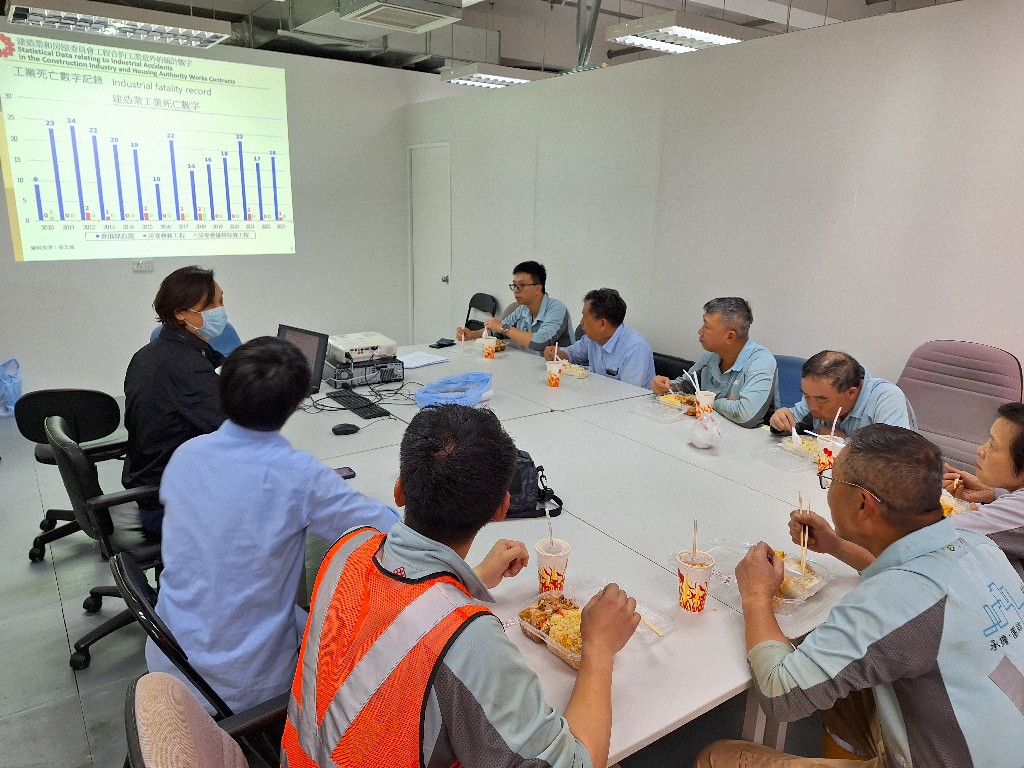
{"points": [[372, 663]]}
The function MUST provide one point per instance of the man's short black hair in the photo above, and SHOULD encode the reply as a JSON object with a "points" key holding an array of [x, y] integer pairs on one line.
{"points": [[263, 382], [1014, 412], [606, 304], [900, 466], [535, 270], [838, 368], [456, 466], [183, 289], [735, 312]]}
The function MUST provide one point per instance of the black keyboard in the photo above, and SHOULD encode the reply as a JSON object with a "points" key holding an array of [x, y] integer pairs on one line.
{"points": [[358, 404]]}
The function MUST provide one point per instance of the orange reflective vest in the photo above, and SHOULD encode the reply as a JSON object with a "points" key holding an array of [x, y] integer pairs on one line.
{"points": [[367, 659]]}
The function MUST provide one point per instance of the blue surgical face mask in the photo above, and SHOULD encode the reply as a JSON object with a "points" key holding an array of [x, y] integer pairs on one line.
{"points": [[215, 320]]}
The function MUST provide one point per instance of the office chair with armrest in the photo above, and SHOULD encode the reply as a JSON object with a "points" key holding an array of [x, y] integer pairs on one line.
{"points": [[482, 302], [670, 365], [92, 512], [141, 600], [955, 388], [94, 421], [226, 343], [167, 727]]}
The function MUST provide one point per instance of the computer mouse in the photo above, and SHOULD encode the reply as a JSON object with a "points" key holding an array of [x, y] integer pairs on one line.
{"points": [[344, 429]]}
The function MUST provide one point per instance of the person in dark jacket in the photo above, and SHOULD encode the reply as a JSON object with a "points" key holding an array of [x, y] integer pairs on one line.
{"points": [[171, 387]]}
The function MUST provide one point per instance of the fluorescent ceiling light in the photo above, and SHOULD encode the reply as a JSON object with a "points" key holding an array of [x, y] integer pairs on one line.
{"points": [[680, 32], [482, 75], [109, 20]]}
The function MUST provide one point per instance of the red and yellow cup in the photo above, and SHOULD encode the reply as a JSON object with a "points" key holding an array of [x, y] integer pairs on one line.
{"points": [[694, 571]]}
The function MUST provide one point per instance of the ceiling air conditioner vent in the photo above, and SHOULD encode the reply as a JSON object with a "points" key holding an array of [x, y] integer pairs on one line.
{"points": [[409, 16]]}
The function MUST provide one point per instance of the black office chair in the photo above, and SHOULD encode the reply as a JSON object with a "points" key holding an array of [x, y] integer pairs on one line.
{"points": [[671, 366], [482, 302], [93, 420], [141, 600], [92, 512], [167, 727]]}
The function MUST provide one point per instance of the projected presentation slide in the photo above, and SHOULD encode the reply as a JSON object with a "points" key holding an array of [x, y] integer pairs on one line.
{"points": [[110, 153]]}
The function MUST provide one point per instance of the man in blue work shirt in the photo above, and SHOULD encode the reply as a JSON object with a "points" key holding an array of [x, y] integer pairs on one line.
{"points": [[835, 383], [609, 346], [739, 372], [922, 664], [537, 322]]}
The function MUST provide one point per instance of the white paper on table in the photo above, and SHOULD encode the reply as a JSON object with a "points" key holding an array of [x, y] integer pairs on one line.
{"points": [[420, 359]]}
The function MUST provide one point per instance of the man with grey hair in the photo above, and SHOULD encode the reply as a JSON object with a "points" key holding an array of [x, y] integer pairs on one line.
{"points": [[739, 372], [921, 664]]}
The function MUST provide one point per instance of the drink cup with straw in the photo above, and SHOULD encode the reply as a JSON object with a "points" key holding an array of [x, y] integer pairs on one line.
{"points": [[693, 568]]}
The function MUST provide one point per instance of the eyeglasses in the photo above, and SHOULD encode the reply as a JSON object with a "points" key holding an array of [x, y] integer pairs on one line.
{"points": [[825, 481], [516, 287]]}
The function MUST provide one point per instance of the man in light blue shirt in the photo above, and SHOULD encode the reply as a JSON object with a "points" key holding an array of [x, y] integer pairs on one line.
{"points": [[238, 504], [739, 372], [609, 347], [835, 383], [922, 664], [538, 321]]}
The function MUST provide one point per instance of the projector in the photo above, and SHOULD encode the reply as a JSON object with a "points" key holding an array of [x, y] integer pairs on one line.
{"points": [[359, 347]]}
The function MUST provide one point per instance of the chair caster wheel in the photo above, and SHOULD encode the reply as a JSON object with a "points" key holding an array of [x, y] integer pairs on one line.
{"points": [[80, 660], [36, 554], [46, 524], [92, 604]]}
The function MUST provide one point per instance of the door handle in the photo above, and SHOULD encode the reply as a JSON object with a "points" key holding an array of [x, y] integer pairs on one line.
{"points": [[444, 279]]}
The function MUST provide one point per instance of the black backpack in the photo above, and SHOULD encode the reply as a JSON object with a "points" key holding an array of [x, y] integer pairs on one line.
{"points": [[529, 490]]}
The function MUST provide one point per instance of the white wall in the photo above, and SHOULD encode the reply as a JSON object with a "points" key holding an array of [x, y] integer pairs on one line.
{"points": [[78, 323], [861, 184]]}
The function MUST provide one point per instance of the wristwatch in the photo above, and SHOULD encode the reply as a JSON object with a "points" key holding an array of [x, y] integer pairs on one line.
{"points": [[505, 327]]}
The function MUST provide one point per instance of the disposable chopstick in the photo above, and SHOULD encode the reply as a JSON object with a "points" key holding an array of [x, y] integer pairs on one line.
{"points": [[651, 627]]}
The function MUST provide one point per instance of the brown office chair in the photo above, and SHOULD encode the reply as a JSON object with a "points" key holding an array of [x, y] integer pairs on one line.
{"points": [[482, 302], [93, 419], [167, 727], [92, 513]]}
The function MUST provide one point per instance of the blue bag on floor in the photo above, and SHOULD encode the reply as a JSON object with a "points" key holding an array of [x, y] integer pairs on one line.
{"points": [[10, 387], [459, 389]]}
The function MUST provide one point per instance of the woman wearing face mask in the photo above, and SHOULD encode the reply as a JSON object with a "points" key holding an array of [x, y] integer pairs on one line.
{"points": [[1000, 465], [171, 387]]}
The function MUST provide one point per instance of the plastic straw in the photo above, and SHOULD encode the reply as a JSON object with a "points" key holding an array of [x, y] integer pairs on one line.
{"points": [[835, 421], [696, 386], [695, 539], [551, 534]]}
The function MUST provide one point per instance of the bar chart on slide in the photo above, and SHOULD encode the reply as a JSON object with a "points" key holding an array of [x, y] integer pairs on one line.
{"points": [[183, 158]]}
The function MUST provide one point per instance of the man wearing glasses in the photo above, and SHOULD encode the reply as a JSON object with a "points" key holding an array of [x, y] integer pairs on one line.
{"points": [[921, 664], [539, 321]]}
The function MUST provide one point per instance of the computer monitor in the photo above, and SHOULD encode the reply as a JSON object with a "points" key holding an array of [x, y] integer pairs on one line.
{"points": [[313, 345]]}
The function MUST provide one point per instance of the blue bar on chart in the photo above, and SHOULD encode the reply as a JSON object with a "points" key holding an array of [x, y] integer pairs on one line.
{"points": [[99, 178], [174, 183], [117, 175], [192, 182], [227, 185], [259, 190], [273, 181], [138, 185], [241, 171], [78, 174], [56, 174], [209, 183], [159, 203], [39, 203]]}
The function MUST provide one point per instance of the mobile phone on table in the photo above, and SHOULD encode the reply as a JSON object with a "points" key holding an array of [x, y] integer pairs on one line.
{"points": [[347, 473], [441, 343]]}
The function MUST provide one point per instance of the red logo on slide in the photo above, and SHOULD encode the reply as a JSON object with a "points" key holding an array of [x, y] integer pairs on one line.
{"points": [[6, 47]]}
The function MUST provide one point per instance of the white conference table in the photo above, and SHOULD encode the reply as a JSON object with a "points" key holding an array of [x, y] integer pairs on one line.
{"points": [[655, 686], [631, 487]]}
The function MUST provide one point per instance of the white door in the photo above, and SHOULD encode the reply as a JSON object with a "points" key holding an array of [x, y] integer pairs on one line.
{"points": [[430, 235]]}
